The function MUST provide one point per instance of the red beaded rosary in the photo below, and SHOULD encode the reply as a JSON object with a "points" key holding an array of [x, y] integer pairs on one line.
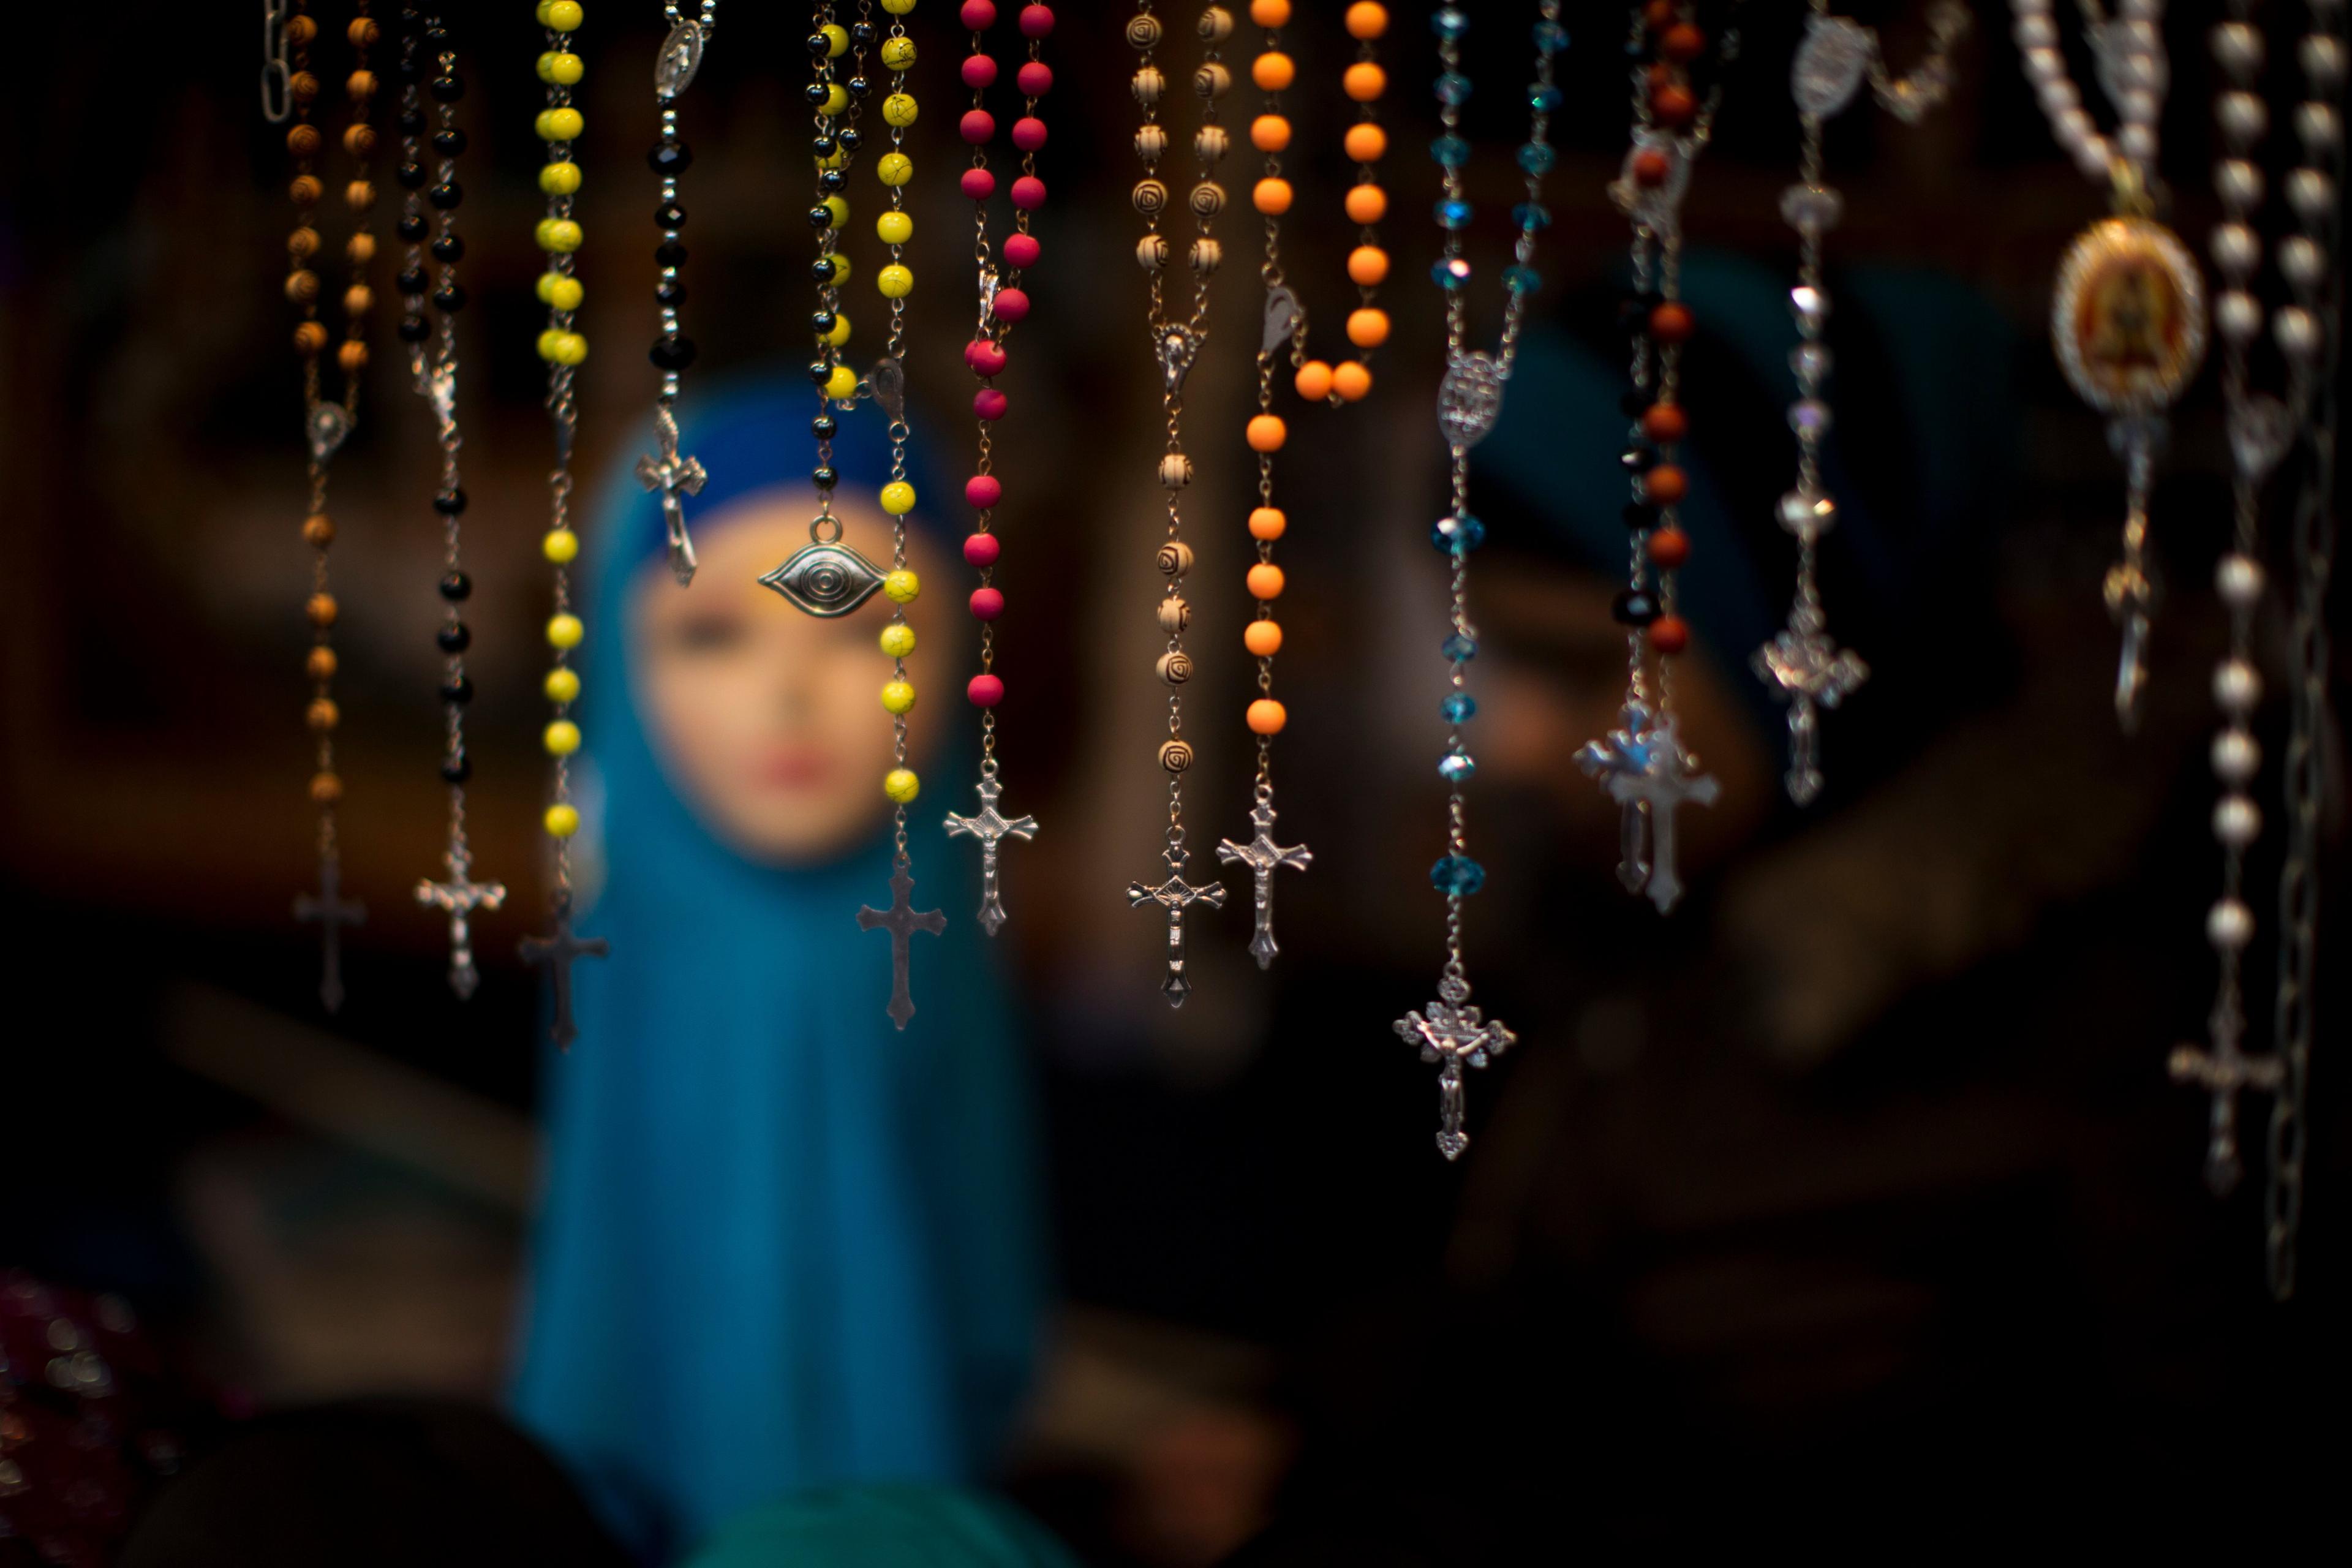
{"points": [[1003, 303], [326, 423]]}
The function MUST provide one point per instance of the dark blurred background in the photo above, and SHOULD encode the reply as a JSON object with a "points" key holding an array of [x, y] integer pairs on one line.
{"points": [[1856, 1189]]}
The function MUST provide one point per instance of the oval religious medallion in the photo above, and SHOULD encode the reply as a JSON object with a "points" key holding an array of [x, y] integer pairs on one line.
{"points": [[2128, 317]]}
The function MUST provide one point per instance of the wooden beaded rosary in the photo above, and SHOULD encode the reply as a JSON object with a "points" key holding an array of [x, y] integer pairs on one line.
{"points": [[434, 372], [1176, 344], [289, 90], [560, 345], [671, 474], [1002, 303]]}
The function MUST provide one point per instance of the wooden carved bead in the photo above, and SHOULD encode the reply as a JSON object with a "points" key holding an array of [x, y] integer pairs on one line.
{"points": [[1143, 33], [304, 140], [1208, 199], [1176, 756], [1175, 472], [301, 29], [1175, 615], [1151, 198], [358, 299], [326, 789], [360, 249], [1210, 143], [1148, 84], [359, 196], [302, 243], [359, 140], [1175, 558], [1213, 79], [1151, 143], [1216, 25], [1152, 252], [302, 286], [1175, 668], [1205, 255], [306, 190], [362, 32], [302, 87], [353, 356], [310, 339], [360, 86]]}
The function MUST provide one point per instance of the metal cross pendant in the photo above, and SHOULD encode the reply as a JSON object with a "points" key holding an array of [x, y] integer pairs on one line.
{"points": [[1173, 896], [989, 826], [1263, 855], [2223, 1071], [1451, 1036], [674, 475], [331, 911], [1660, 789], [1624, 750], [1812, 672], [557, 951], [460, 895], [902, 922]]}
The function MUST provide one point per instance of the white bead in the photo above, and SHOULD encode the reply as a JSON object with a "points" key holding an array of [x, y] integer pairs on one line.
{"points": [[2311, 193], [2238, 49], [2322, 59], [2242, 119], [2137, 141], [2237, 250], [2298, 332], [2237, 756], [2031, 8], [2321, 129], [2057, 95], [2238, 579], [2237, 316], [2137, 106], [2237, 687], [2302, 262], [2229, 924], [2237, 821], [2034, 32], [2074, 128], [2240, 185], [2143, 10]]}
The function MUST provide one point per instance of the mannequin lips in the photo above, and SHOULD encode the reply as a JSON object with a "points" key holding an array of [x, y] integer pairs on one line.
{"points": [[794, 768]]}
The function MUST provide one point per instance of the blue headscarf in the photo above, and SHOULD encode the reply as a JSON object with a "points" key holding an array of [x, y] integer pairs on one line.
{"points": [[784, 1243]]}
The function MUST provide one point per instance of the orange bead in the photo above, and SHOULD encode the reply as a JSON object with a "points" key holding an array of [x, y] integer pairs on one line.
{"points": [[1364, 81], [359, 139], [321, 609], [1273, 71], [310, 339], [353, 356], [362, 32], [1313, 380], [1670, 633], [303, 140], [1269, 132], [1266, 717], [1652, 167], [360, 195], [1368, 328], [1367, 265], [1673, 107], [1672, 322], [1666, 484], [1263, 638], [321, 664], [318, 530], [1271, 196], [1367, 204], [1266, 580], [1268, 522], [1270, 13], [322, 715], [1682, 43], [306, 190], [1366, 143], [1365, 20], [1267, 433], [1669, 547], [1663, 422], [1658, 15], [1351, 381], [325, 789]]}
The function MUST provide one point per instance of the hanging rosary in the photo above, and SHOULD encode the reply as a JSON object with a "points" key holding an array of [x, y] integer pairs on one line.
{"points": [[288, 89], [1642, 763], [1804, 664], [433, 372], [1175, 345], [1469, 400], [1002, 303], [672, 475], [558, 125], [1285, 327], [1365, 143], [2127, 318]]}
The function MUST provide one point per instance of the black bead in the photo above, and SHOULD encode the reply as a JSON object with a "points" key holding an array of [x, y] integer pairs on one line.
{"points": [[456, 587], [824, 146], [448, 248], [410, 67], [833, 182], [822, 270], [1633, 607], [1634, 403], [453, 638], [411, 229], [450, 297], [822, 322], [1639, 457], [414, 329], [412, 120], [411, 176], [1633, 310], [669, 253], [850, 138], [820, 371], [862, 35], [1641, 515], [445, 195], [450, 142], [819, 46], [450, 503], [448, 89], [459, 690], [669, 292], [859, 87], [673, 352], [669, 218], [456, 770], [820, 219], [827, 477], [825, 426], [670, 159], [815, 94], [412, 281]]}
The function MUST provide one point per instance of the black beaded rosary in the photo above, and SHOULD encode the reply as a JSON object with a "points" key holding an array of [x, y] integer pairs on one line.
{"points": [[673, 475]]}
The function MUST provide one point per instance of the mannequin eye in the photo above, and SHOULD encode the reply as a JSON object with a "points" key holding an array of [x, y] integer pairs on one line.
{"points": [[825, 580]]}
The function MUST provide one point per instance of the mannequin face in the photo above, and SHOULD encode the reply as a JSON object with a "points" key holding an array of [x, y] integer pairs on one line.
{"points": [[768, 720]]}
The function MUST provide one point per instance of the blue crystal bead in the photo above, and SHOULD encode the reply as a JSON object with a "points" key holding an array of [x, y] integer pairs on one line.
{"points": [[1450, 151], [1457, 874], [1450, 273], [1533, 216], [1456, 768], [1449, 22], [1458, 535], [1458, 649], [1537, 157], [1522, 280], [1458, 706], [1454, 213], [1453, 89], [1550, 37], [1544, 98]]}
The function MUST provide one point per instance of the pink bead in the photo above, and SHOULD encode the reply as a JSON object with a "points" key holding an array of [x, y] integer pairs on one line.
{"points": [[1028, 133], [985, 358], [979, 70], [989, 403], [979, 185], [977, 125], [985, 691], [1011, 304], [980, 550], [1028, 192], [1036, 21], [983, 490], [1036, 78], [979, 15], [987, 603], [1020, 250]]}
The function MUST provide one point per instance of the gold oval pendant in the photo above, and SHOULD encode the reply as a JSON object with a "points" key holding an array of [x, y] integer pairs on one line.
{"points": [[2129, 317]]}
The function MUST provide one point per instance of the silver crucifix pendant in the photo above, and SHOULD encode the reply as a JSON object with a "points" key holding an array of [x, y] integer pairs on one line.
{"points": [[989, 826], [1668, 778], [1263, 855], [902, 922], [1811, 672], [459, 897], [1174, 896], [329, 911], [1453, 1035], [2224, 1071], [1624, 750], [557, 951], [674, 477]]}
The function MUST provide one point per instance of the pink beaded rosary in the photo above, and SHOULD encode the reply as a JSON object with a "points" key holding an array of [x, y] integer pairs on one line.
{"points": [[1002, 303]]}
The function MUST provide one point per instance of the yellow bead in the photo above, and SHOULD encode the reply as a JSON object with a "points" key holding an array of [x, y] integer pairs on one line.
{"points": [[839, 210], [571, 348], [895, 228], [840, 333], [897, 7], [837, 40], [560, 178], [563, 685], [901, 785], [561, 546], [560, 236], [563, 16], [841, 384], [561, 68], [560, 125], [562, 821], [902, 585], [897, 53], [836, 98], [560, 738], [897, 639], [898, 500], [897, 697], [840, 265], [894, 168], [547, 341], [558, 290], [564, 631], [894, 281], [898, 109]]}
